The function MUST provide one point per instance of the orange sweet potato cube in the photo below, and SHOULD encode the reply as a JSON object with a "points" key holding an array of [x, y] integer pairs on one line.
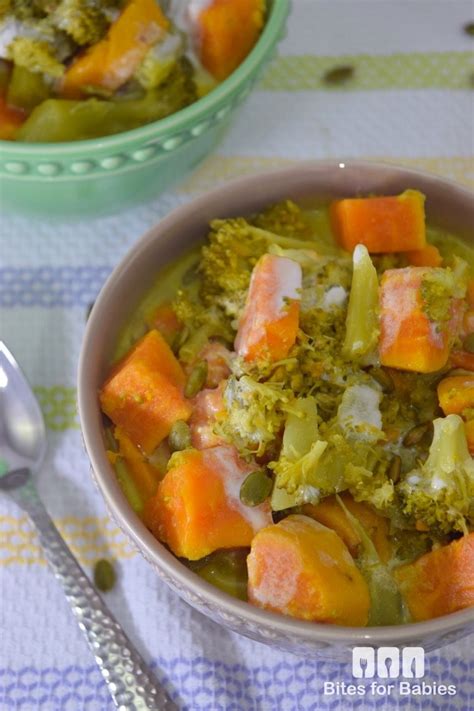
{"points": [[382, 224], [439, 582], [143, 394], [197, 508], [228, 29], [10, 120], [428, 256], [409, 340], [270, 320], [462, 359], [456, 393], [154, 351], [303, 569], [113, 60]]}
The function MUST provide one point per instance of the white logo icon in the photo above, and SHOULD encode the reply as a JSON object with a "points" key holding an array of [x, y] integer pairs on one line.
{"points": [[386, 662]]}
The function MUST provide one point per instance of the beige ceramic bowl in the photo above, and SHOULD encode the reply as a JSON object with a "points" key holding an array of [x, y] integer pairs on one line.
{"points": [[448, 205]]}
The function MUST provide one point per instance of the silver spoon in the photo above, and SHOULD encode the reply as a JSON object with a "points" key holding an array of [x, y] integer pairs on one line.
{"points": [[22, 448]]}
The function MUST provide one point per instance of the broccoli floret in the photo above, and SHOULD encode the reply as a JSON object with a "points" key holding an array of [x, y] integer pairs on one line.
{"points": [[331, 463], [285, 218], [82, 20], [24, 9], [36, 55], [371, 486], [255, 413], [300, 453], [440, 492], [160, 61], [46, 6]]}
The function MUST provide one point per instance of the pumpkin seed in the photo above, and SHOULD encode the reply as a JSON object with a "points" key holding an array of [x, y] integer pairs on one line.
{"points": [[383, 378], [179, 437], [339, 75], [197, 379], [395, 469], [417, 434], [469, 28], [104, 575], [255, 488], [190, 274], [110, 440], [468, 343]]}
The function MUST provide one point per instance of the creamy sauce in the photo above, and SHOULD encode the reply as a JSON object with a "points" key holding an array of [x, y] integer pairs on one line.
{"points": [[233, 471], [359, 412], [334, 296]]}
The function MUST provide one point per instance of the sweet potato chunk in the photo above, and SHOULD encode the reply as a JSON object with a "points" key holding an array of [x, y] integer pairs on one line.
{"points": [[218, 359], [462, 359], [456, 393], [228, 29], [269, 323], [439, 582], [382, 224], [143, 394], [303, 569], [208, 408], [428, 256], [409, 339], [197, 508], [10, 120], [331, 514], [154, 351], [113, 60]]}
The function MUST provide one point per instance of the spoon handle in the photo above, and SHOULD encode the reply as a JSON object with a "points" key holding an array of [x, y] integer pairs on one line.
{"points": [[125, 672]]}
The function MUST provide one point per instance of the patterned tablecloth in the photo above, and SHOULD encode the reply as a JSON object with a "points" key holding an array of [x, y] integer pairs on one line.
{"points": [[410, 102]]}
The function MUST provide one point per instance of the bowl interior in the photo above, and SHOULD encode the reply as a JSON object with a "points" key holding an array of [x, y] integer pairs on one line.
{"points": [[448, 205]]}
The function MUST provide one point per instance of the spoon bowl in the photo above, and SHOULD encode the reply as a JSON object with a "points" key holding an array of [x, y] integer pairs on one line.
{"points": [[22, 430]]}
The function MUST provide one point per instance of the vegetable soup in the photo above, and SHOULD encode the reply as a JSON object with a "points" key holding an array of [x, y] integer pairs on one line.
{"points": [[291, 411], [79, 69]]}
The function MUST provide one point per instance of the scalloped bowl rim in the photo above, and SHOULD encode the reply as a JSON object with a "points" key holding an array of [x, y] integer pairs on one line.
{"points": [[156, 129], [155, 552]]}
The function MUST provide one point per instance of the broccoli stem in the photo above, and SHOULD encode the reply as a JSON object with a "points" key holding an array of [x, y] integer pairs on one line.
{"points": [[362, 328]]}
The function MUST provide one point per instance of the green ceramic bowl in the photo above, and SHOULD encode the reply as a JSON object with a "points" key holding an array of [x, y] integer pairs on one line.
{"points": [[103, 175]]}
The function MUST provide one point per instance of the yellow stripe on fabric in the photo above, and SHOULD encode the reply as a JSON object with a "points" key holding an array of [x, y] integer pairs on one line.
{"points": [[89, 538], [58, 404], [423, 70], [218, 169]]}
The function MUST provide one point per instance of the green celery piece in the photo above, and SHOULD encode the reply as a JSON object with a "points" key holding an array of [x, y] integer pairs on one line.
{"points": [[301, 432], [227, 570], [128, 486], [301, 428], [386, 602], [57, 120], [362, 323], [26, 89]]}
